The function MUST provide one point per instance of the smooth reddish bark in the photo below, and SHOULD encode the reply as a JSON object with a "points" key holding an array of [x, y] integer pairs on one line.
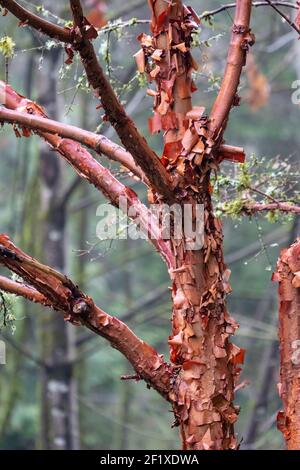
{"points": [[89, 168]]}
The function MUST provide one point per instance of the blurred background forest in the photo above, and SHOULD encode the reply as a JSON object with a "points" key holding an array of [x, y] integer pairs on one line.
{"points": [[56, 371]]}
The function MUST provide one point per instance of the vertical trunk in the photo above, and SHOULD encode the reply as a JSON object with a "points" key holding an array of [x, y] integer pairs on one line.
{"points": [[206, 363], [288, 274], [59, 414]]}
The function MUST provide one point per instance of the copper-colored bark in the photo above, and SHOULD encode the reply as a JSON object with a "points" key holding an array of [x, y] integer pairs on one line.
{"points": [[80, 39], [241, 39], [208, 364], [288, 275], [79, 309], [22, 290], [204, 364], [273, 206]]}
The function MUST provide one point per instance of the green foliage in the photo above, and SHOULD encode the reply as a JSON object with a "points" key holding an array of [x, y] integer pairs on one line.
{"points": [[7, 47], [259, 180]]}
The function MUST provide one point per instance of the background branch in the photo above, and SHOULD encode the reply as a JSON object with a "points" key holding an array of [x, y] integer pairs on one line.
{"points": [[27, 17]]}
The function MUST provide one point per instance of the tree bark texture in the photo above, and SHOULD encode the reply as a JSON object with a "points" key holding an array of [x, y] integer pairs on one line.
{"points": [[288, 275]]}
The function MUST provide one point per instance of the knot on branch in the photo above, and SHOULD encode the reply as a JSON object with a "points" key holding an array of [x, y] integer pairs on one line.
{"points": [[84, 31], [82, 307], [79, 310], [8, 254], [248, 36]]}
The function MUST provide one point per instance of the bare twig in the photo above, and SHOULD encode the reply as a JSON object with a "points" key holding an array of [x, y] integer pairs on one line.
{"points": [[284, 16]]}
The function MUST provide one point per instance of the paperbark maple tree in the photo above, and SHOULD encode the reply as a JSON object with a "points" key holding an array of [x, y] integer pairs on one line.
{"points": [[204, 365]]}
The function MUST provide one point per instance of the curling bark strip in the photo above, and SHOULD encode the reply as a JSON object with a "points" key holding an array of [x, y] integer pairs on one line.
{"points": [[62, 295], [79, 38], [206, 364], [288, 275]]}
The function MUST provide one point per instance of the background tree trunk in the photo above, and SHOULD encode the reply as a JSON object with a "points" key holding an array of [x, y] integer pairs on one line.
{"points": [[59, 411]]}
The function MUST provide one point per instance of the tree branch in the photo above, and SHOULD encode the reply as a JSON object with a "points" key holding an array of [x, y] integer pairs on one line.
{"points": [[22, 290], [80, 37], [275, 206], [62, 295], [46, 27], [132, 140], [288, 276], [96, 142], [207, 14], [241, 39], [89, 168]]}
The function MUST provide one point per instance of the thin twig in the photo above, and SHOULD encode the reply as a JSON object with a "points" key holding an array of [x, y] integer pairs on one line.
{"points": [[287, 19]]}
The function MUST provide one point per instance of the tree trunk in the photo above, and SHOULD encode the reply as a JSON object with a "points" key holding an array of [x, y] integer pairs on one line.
{"points": [[59, 414], [204, 360], [288, 274]]}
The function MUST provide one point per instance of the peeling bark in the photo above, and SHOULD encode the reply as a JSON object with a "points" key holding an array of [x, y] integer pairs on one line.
{"points": [[206, 363], [288, 275]]}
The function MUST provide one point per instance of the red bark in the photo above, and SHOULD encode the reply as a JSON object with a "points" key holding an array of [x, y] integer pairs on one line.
{"points": [[288, 275], [87, 167], [44, 26], [98, 143], [206, 364]]}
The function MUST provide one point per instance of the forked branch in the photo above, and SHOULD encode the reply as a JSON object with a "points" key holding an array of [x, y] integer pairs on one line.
{"points": [[98, 143], [49, 287], [79, 37], [89, 168]]}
